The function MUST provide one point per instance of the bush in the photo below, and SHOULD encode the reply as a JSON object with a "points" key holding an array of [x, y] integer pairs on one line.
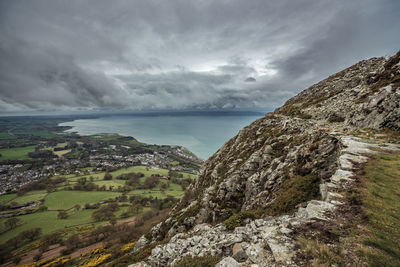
{"points": [[304, 116], [238, 219], [106, 212], [42, 208], [335, 118], [32, 234], [204, 261], [66, 251], [151, 182], [16, 260], [62, 214], [107, 176], [293, 191], [12, 223], [73, 241], [37, 257]]}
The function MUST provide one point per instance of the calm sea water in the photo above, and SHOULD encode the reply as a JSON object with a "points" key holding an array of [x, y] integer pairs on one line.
{"points": [[202, 133]]}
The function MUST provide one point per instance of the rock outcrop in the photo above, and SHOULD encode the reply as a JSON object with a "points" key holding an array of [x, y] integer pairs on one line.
{"points": [[282, 171]]}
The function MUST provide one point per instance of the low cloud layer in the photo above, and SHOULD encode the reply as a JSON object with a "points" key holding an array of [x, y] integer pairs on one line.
{"points": [[143, 55]]}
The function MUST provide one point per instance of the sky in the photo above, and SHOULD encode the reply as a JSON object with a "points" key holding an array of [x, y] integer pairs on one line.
{"points": [[101, 55]]}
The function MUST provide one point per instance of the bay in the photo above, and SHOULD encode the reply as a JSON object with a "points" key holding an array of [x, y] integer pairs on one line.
{"points": [[201, 132]]}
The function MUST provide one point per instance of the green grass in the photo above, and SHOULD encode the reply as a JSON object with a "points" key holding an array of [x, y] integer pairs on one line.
{"points": [[6, 136], [59, 153], [30, 196], [114, 183], [48, 222], [157, 193], [39, 133], [293, 191], [16, 153], [143, 169], [381, 203], [174, 163], [7, 197], [135, 142], [68, 199]]}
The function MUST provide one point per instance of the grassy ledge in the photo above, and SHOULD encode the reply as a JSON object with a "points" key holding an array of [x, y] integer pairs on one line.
{"points": [[367, 231], [381, 203]]}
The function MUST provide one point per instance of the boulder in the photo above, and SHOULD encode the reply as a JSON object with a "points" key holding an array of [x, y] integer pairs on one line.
{"points": [[228, 262], [238, 252]]}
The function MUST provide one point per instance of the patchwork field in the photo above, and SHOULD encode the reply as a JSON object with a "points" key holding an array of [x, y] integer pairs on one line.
{"points": [[39, 133], [16, 153], [67, 199]]}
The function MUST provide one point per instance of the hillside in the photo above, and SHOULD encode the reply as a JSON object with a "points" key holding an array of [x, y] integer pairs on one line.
{"points": [[294, 188]]}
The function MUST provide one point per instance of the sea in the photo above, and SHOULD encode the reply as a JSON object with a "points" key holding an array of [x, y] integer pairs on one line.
{"points": [[203, 133]]}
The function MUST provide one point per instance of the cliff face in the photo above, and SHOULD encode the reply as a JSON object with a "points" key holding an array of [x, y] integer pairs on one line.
{"points": [[284, 170], [365, 95]]}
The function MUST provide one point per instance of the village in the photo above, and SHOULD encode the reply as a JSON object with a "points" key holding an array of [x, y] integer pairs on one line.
{"points": [[96, 157]]}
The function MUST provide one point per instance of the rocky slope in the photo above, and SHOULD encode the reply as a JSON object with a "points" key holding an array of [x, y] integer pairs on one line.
{"points": [[283, 172]]}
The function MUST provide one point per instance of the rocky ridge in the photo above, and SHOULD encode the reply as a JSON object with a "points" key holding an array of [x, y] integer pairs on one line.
{"points": [[282, 172]]}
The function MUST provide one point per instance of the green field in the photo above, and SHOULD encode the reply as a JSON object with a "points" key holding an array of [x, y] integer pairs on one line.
{"points": [[7, 197], [30, 196], [68, 199], [148, 171], [156, 193], [16, 153], [6, 136], [381, 204], [39, 133], [143, 169], [114, 183], [48, 222]]}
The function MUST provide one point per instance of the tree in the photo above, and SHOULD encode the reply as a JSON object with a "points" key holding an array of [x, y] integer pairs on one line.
{"points": [[102, 215], [32, 234], [123, 198], [113, 221], [135, 209], [15, 241], [12, 222], [151, 182], [43, 208], [77, 207], [21, 192], [51, 188], [62, 214], [107, 176], [52, 239], [105, 212], [73, 241], [16, 260]]}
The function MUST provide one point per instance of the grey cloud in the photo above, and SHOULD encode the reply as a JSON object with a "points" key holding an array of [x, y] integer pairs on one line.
{"points": [[181, 54]]}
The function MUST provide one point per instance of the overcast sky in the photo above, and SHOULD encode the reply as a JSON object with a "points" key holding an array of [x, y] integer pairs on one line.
{"points": [[142, 55]]}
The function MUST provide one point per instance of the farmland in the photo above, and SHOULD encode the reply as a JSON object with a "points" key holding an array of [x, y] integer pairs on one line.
{"points": [[81, 189], [67, 200], [17, 153]]}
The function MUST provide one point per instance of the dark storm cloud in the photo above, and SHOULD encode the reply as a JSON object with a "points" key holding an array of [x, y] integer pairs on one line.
{"points": [[67, 55]]}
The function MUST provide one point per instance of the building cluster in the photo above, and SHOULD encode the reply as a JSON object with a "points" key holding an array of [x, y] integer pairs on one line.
{"points": [[12, 177]]}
